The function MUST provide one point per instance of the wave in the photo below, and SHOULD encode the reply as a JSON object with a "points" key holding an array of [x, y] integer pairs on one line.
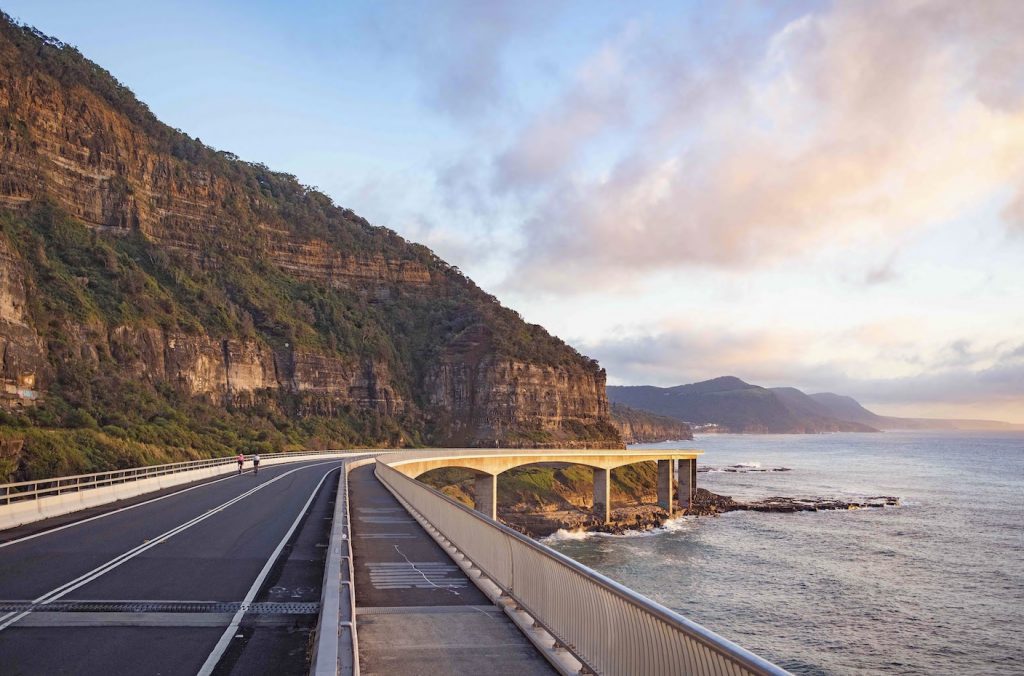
{"points": [[563, 535], [674, 525]]}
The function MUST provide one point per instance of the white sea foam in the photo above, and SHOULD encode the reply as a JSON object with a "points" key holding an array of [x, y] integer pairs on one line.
{"points": [[676, 525], [563, 535]]}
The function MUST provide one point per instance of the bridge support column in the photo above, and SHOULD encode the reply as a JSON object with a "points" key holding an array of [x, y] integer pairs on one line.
{"points": [[602, 494], [666, 478], [486, 498], [687, 483]]}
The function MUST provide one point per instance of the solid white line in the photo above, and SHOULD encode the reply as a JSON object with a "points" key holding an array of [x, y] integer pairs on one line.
{"points": [[225, 639], [122, 509], [105, 568]]}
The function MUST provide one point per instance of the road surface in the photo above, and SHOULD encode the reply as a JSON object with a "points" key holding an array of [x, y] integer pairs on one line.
{"points": [[218, 578]]}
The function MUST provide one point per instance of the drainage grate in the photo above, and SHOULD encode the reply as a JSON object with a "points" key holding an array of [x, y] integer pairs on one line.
{"points": [[261, 608]]}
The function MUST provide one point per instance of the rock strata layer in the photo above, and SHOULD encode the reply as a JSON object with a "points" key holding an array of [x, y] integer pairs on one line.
{"points": [[132, 253]]}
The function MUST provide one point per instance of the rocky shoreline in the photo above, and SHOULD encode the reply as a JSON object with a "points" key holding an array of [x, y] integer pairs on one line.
{"points": [[646, 517]]}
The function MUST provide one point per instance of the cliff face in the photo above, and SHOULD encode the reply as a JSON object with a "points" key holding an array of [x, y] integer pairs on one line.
{"points": [[154, 259], [641, 427], [24, 364]]}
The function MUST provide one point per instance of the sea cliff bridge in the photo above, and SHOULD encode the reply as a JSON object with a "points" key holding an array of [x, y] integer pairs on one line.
{"points": [[192, 568]]}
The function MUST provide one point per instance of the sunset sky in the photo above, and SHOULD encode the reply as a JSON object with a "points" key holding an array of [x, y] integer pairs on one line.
{"points": [[824, 195]]}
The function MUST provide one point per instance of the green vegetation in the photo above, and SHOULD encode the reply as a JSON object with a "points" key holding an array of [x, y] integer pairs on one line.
{"points": [[105, 406], [549, 486]]}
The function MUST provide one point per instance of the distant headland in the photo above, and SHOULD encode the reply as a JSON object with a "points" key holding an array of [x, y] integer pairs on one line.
{"points": [[728, 404]]}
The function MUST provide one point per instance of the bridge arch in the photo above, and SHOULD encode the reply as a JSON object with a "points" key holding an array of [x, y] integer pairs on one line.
{"points": [[488, 464]]}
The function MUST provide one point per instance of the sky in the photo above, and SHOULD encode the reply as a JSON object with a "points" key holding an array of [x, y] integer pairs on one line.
{"points": [[823, 195]]}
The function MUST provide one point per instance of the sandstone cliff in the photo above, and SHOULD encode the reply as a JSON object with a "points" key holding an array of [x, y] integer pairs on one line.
{"points": [[642, 427], [157, 291]]}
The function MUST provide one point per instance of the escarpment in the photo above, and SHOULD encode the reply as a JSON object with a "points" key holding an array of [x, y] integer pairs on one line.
{"points": [[157, 292]]}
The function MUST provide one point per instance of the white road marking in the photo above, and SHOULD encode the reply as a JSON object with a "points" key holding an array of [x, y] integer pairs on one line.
{"points": [[117, 511], [229, 633], [66, 588]]}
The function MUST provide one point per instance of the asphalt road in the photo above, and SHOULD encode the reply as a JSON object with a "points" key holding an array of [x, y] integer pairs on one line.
{"points": [[142, 568]]}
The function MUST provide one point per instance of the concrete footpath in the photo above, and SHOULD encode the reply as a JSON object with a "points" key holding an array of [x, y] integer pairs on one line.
{"points": [[417, 612]]}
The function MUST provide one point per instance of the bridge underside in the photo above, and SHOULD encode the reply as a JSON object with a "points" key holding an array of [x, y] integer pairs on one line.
{"points": [[673, 467]]}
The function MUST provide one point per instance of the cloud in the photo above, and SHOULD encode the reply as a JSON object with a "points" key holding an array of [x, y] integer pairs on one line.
{"points": [[596, 100], [883, 273], [1014, 213], [457, 48], [851, 125]]}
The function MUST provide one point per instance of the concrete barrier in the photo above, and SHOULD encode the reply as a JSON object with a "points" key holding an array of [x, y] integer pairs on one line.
{"points": [[28, 511], [336, 648]]}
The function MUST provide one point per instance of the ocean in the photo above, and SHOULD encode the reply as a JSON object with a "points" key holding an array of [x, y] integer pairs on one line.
{"points": [[933, 586]]}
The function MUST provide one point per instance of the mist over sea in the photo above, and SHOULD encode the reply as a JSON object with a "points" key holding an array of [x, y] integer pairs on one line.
{"points": [[935, 586]]}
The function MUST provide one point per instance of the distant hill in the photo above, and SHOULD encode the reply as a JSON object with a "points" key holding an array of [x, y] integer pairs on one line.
{"points": [[640, 427], [737, 406], [847, 408]]}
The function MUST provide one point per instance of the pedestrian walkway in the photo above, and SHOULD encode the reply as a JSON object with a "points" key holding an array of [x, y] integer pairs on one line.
{"points": [[417, 612]]}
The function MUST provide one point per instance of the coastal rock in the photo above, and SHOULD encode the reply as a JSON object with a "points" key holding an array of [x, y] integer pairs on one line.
{"points": [[642, 427]]}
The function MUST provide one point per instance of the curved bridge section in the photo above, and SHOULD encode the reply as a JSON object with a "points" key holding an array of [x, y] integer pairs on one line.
{"points": [[580, 620], [490, 464]]}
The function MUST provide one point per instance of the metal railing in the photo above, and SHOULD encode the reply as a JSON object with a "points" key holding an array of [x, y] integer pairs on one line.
{"points": [[39, 488], [609, 628], [336, 646]]}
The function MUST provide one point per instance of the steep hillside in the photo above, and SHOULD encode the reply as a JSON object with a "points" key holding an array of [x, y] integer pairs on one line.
{"points": [[160, 300], [847, 408], [640, 427], [736, 406]]}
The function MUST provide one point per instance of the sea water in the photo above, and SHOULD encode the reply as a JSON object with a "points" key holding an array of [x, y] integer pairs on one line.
{"points": [[933, 586]]}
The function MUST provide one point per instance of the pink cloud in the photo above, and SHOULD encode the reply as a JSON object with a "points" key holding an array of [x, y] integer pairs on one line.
{"points": [[853, 124]]}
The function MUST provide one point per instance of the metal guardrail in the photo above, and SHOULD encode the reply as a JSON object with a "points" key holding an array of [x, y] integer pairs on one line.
{"points": [[336, 647], [609, 628], [39, 488]]}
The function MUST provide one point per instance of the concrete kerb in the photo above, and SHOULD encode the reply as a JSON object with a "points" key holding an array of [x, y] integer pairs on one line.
{"points": [[336, 647], [29, 511]]}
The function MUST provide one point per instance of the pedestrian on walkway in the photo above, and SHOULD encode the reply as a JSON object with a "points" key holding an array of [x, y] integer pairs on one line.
{"points": [[241, 461], [256, 464]]}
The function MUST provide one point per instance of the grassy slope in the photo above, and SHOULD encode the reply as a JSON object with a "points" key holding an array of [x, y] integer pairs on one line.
{"points": [[96, 418], [539, 487]]}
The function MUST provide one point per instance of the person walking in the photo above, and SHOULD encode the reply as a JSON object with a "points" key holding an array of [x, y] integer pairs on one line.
{"points": [[241, 461], [256, 464]]}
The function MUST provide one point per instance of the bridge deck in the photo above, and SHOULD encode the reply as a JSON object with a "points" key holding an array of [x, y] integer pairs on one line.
{"points": [[417, 612], [209, 544]]}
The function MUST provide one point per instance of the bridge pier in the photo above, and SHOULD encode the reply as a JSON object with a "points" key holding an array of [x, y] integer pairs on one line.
{"points": [[666, 477], [602, 494], [687, 483], [485, 500]]}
